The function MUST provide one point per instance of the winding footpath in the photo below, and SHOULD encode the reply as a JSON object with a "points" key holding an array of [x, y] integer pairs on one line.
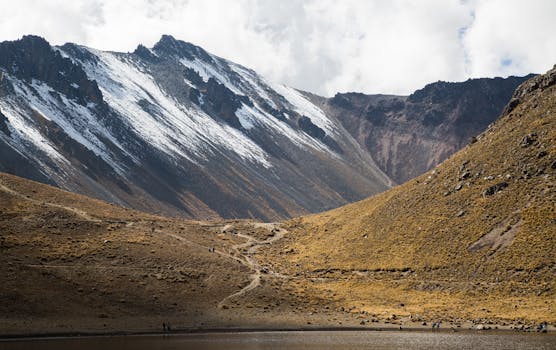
{"points": [[243, 252], [246, 250]]}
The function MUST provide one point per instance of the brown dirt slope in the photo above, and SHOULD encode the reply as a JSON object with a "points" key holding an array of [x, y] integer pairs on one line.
{"points": [[71, 263], [475, 238]]}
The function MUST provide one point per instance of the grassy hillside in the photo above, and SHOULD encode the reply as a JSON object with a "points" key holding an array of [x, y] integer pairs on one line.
{"points": [[475, 238]]}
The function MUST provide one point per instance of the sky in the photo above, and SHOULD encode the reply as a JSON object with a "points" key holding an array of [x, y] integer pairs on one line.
{"points": [[321, 46]]}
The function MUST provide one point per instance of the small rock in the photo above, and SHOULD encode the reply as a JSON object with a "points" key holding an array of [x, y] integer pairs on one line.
{"points": [[553, 165], [459, 186], [495, 188], [541, 154], [460, 213], [465, 175], [528, 140], [463, 165]]}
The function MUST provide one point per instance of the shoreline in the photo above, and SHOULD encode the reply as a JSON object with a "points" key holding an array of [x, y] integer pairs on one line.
{"points": [[191, 331]]}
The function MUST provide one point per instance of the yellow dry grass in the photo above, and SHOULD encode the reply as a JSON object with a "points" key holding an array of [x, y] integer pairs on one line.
{"points": [[460, 252]]}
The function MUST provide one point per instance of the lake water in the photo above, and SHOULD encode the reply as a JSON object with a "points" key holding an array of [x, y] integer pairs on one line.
{"points": [[314, 340]]}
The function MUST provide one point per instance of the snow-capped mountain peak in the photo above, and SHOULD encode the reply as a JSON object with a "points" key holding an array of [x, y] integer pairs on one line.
{"points": [[166, 110]]}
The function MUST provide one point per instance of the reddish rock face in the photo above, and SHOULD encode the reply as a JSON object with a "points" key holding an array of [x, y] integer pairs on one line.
{"points": [[408, 135]]}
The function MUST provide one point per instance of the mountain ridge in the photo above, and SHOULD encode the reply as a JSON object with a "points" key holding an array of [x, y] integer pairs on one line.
{"points": [[173, 129], [154, 112], [445, 116]]}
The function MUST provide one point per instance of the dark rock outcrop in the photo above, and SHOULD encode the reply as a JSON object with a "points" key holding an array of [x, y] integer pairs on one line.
{"points": [[307, 125], [495, 188], [169, 46], [32, 57], [4, 124], [219, 100]]}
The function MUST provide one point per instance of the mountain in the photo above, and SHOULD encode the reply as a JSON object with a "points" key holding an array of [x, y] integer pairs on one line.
{"points": [[408, 135], [175, 130], [472, 239], [471, 243]]}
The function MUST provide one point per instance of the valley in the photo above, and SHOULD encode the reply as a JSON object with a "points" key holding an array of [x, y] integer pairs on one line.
{"points": [[469, 243]]}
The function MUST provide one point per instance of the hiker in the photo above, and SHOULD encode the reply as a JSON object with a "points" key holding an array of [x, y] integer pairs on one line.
{"points": [[168, 327], [164, 327]]}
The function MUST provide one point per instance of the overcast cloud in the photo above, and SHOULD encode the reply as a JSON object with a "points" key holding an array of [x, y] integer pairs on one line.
{"points": [[323, 46]]}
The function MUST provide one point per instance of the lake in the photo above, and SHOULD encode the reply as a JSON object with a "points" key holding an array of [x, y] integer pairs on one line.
{"points": [[288, 340]]}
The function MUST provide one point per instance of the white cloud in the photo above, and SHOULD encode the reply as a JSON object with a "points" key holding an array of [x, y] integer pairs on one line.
{"points": [[512, 37], [322, 46]]}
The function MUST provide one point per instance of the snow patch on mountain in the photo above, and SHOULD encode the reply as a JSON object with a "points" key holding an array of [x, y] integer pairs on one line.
{"points": [[304, 107], [281, 128], [254, 82], [207, 71], [76, 120], [246, 117], [171, 127], [23, 131]]}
